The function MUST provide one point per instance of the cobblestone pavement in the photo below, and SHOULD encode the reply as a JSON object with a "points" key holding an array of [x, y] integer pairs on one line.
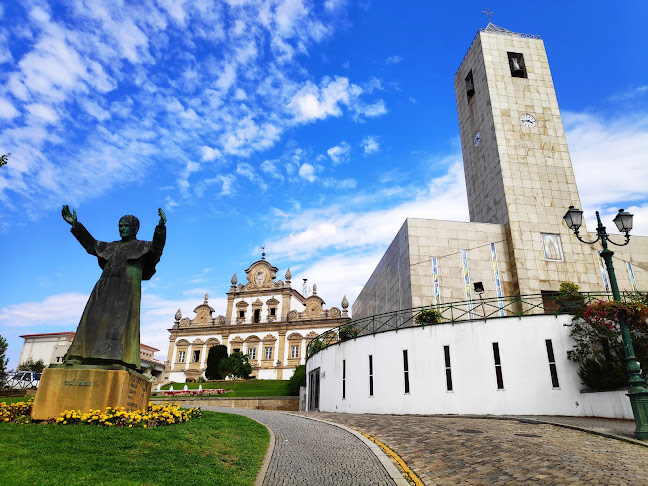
{"points": [[314, 453], [477, 451]]}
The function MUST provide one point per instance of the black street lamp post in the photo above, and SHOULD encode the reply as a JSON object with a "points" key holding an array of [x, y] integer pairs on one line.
{"points": [[638, 393]]}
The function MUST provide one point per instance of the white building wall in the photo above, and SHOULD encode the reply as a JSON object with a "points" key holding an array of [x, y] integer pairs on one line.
{"points": [[525, 369]]}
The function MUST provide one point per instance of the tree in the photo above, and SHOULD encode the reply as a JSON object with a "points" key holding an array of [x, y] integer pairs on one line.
{"points": [[236, 365], [4, 159], [31, 365], [216, 354], [296, 380], [3, 360]]}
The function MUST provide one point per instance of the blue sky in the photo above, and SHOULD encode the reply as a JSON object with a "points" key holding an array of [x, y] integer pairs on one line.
{"points": [[313, 128]]}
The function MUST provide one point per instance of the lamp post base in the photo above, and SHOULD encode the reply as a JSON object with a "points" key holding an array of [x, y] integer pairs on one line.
{"points": [[639, 402]]}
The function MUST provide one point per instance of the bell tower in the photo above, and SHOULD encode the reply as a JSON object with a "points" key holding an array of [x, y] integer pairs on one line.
{"points": [[516, 162]]}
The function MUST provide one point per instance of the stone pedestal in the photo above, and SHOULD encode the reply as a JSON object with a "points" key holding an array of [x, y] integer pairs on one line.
{"points": [[86, 389]]}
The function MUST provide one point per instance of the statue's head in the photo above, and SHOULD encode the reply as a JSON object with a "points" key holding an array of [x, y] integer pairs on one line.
{"points": [[128, 227]]}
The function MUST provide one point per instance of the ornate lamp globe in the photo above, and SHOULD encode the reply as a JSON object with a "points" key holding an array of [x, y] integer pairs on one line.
{"points": [[574, 218], [623, 221]]}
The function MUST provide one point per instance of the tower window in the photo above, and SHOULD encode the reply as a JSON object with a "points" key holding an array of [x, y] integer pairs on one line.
{"points": [[470, 85], [516, 63], [241, 314], [273, 311]]}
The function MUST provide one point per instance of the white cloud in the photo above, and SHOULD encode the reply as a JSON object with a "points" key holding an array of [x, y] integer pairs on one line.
{"points": [[247, 171], [209, 153], [376, 109], [608, 157], [394, 60], [343, 228], [312, 103], [340, 153], [55, 310], [7, 110], [95, 110], [370, 145], [227, 181], [43, 112], [339, 183], [307, 171]]}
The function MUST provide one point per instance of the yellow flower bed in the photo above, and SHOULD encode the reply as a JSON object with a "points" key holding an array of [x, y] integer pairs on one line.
{"points": [[153, 416], [16, 412]]}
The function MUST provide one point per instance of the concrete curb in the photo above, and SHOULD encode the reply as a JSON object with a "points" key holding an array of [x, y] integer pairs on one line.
{"points": [[389, 466], [266, 460]]}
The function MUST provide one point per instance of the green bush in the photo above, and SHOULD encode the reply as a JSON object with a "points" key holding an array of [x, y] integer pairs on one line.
{"points": [[315, 346], [428, 316], [296, 380], [236, 365], [569, 300], [348, 332], [214, 357]]}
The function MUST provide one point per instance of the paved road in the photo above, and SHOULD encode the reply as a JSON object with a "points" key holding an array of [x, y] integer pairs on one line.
{"points": [[455, 450], [308, 452]]}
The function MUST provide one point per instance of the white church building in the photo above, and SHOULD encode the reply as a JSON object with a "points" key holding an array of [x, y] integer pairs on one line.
{"points": [[499, 348]]}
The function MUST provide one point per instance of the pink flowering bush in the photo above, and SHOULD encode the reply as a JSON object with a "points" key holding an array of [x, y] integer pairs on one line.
{"points": [[598, 346], [195, 393]]}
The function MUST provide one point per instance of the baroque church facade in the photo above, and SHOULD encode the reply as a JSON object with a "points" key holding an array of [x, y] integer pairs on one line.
{"points": [[266, 319]]}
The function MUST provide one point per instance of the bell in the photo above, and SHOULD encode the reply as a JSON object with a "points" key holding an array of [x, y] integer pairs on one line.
{"points": [[516, 69], [470, 87]]}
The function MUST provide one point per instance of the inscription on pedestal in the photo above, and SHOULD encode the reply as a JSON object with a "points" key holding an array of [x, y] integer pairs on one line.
{"points": [[63, 389]]}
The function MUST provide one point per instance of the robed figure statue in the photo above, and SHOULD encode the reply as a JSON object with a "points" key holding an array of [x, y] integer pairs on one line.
{"points": [[109, 331]]}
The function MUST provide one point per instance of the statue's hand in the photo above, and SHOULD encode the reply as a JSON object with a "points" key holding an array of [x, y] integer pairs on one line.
{"points": [[163, 218], [69, 216]]}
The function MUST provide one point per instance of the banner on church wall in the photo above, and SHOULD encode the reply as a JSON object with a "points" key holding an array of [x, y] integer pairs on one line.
{"points": [[498, 282], [464, 260], [603, 272], [631, 274], [435, 277]]}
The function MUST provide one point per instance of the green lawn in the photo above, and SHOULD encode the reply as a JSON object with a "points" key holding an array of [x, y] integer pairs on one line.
{"points": [[14, 399], [247, 388], [218, 449]]}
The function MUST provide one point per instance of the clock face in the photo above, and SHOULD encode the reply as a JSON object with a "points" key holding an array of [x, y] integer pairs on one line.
{"points": [[528, 120], [477, 139]]}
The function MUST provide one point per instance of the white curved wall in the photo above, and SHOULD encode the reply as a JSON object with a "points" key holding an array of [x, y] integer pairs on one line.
{"points": [[527, 381]]}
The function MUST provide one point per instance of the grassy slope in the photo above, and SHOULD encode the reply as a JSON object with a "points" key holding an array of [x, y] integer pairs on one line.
{"points": [[248, 388], [219, 449]]}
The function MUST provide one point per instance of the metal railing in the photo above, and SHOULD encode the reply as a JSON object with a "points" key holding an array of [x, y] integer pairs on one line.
{"points": [[456, 312]]}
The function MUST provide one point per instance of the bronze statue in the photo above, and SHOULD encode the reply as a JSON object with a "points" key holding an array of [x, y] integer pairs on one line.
{"points": [[109, 331]]}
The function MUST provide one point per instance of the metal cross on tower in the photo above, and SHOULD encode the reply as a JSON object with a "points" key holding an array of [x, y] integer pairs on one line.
{"points": [[488, 14]]}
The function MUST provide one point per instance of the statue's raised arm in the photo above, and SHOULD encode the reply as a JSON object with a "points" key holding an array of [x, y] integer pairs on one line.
{"points": [[69, 216], [163, 218]]}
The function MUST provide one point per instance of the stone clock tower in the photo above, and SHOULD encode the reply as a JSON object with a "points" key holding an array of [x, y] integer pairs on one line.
{"points": [[517, 166]]}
